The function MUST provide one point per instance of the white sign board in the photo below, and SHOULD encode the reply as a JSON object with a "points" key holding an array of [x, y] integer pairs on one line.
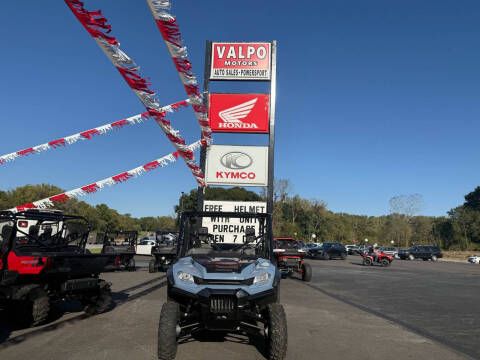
{"points": [[237, 165], [232, 230]]}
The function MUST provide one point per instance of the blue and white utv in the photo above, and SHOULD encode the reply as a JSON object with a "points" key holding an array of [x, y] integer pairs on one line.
{"points": [[232, 287]]}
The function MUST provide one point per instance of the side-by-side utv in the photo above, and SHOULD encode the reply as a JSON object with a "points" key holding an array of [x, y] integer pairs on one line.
{"points": [[229, 287], [165, 252], [43, 259], [120, 247]]}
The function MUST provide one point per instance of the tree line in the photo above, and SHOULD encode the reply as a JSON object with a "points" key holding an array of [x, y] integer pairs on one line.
{"points": [[305, 219]]}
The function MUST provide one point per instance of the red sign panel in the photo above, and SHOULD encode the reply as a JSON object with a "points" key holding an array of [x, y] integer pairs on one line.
{"points": [[240, 61], [242, 113]]}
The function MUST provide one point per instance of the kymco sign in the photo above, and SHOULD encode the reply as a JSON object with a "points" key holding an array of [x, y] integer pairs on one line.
{"points": [[237, 165], [242, 113], [240, 61]]}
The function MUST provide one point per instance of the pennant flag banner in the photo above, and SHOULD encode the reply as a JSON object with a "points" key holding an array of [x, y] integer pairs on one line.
{"points": [[168, 26], [97, 26], [87, 134], [113, 180]]}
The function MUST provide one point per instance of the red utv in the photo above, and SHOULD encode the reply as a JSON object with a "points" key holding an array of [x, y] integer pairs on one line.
{"points": [[290, 258], [43, 259], [379, 258]]}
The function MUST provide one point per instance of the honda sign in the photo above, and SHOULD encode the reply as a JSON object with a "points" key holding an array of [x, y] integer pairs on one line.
{"points": [[240, 61], [242, 113], [237, 165]]}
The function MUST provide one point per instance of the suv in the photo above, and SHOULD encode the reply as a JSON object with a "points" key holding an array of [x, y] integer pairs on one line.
{"points": [[231, 287], [328, 251], [424, 252]]}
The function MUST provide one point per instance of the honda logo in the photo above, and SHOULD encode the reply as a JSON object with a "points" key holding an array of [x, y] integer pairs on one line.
{"points": [[236, 160], [237, 113]]}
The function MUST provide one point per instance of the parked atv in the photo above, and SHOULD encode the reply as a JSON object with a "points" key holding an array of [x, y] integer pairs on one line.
{"points": [[164, 253], [120, 247], [380, 258], [42, 259], [290, 258], [220, 286]]}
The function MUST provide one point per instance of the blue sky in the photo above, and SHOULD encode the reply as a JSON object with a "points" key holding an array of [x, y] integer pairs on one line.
{"points": [[376, 98]]}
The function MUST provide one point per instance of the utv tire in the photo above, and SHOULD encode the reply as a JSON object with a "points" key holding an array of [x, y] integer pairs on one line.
{"points": [[131, 265], [385, 263], [306, 272], [411, 257], [367, 261], [152, 266], [39, 304], [167, 330], [276, 336], [101, 302]]}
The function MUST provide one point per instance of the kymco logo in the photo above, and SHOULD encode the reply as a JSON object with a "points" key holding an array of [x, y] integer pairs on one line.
{"points": [[236, 160]]}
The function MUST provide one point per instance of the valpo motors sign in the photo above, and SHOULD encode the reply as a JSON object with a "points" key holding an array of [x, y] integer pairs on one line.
{"points": [[237, 165], [240, 61], [241, 113]]}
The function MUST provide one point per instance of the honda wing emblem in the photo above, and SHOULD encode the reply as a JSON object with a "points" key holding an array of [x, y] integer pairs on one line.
{"points": [[237, 113]]}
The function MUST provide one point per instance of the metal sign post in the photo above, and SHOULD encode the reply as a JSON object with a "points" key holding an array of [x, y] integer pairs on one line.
{"points": [[271, 135]]}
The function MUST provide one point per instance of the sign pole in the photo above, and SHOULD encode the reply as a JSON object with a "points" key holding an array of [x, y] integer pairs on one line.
{"points": [[271, 136], [203, 149]]}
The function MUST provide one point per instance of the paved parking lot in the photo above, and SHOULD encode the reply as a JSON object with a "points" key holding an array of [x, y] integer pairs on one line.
{"points": [[408, 311]]}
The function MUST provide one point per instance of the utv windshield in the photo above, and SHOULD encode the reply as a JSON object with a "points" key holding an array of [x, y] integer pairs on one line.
{"points": [[231, 235]]}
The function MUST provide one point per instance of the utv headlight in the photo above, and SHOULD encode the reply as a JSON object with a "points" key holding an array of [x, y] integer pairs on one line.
{"points": [[261, 278], [183, 276]]}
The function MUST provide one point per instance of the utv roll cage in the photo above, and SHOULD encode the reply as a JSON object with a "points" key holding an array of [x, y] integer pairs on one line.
{"points": [[130, 237], [193, 233], [45, 220]]}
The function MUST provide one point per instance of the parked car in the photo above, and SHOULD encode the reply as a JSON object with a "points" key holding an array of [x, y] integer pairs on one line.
{"points": [[145, 246], [475, 259], [389, 250], [352, 249], [424, 252], [328, 251]]}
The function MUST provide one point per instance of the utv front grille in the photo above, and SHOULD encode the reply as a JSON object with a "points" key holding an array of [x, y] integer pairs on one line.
{"points": [[200, 281], [222, 304]]}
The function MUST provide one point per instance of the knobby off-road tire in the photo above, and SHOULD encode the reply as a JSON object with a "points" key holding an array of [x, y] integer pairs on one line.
{"points": [[277, 337], [306, 272], [102, 301], [131, 265], [152, 267], [167, 330], [39, 306], [385, 263], [367, 262]]}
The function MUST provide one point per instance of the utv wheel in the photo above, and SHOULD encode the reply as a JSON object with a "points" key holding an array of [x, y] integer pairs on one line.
{"points": [[101, 302], [276, 332], [411, 257], [39, 304], [367, 261], [167, 331], [152, 267], [306, 272], [385, 262], [434, 258], [131, 265]]}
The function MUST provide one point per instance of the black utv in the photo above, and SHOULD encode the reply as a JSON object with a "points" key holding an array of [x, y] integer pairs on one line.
{"points": [[120, 247]]}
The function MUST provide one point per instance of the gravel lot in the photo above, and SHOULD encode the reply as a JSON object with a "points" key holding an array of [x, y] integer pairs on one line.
{"points": [[408, 311]]}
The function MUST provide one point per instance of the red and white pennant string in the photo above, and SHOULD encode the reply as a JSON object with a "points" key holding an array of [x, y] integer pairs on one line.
{"points": [[168, 26], [97, 26], [87, 134], [98, 185]]}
